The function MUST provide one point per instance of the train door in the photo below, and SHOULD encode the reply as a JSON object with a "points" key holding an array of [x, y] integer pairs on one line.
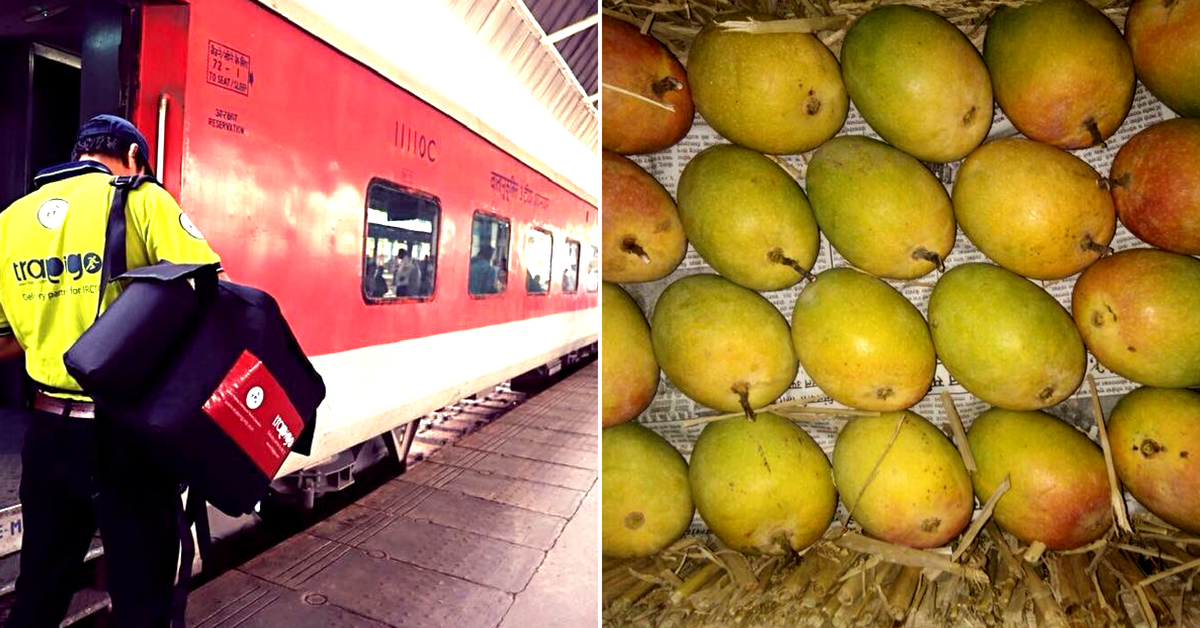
{"points": [[60, 63]]}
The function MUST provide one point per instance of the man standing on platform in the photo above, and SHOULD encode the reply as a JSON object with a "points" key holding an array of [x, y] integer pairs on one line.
{"points": [[78, 472]]}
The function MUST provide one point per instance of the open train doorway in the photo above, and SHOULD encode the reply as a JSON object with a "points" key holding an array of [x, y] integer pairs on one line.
{"points": [[61, 62]]}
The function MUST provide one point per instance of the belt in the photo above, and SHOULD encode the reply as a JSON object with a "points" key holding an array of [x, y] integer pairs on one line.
{"points": [[64, 407]]}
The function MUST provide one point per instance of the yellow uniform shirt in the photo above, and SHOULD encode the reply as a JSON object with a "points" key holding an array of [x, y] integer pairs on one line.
{"points": [[51, 248]]}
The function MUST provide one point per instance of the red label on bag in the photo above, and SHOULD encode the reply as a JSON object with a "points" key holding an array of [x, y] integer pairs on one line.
{"points": [[252, 408]]}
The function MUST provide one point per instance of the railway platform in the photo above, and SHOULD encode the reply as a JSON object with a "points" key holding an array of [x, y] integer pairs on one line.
{"points": [[499, 529]]}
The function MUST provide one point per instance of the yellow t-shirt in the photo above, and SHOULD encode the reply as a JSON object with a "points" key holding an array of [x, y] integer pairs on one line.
{"points": [[51, 248]]}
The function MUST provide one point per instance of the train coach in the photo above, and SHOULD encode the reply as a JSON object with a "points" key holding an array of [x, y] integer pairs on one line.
{"points": [[419, 257]]}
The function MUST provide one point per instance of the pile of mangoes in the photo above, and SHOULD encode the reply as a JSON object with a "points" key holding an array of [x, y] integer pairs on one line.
{"points": [[1064, 75]]}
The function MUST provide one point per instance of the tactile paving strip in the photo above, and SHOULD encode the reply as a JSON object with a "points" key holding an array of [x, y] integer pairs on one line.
{"points": [[507, 523], [407, 596], [480, 559], [552, 500], [295, 560], [352, 524], [516, 467]]}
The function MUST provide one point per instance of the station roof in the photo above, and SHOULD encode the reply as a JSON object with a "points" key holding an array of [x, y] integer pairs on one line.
{"points": [[550, 46]]}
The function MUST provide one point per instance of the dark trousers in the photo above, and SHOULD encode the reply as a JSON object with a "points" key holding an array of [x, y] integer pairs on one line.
{"points": [[77, 474]]}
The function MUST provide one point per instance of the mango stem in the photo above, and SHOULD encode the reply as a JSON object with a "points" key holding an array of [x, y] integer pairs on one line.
{"points": [[1089, 244], [776, 256], [742, 390], [1094, 131], [666, 84], [629, 245], [929, 256]]}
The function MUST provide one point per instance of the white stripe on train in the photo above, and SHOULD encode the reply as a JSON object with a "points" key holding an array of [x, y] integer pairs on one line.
{"points": [[375, 389]]}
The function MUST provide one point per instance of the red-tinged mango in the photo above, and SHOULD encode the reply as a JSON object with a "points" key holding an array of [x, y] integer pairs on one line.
{"points": [[1060, 71], [1155, 439], [1156, 184], [643, 237], [1164, 36], [1059, 491], [1137, 311], [649, 105]]}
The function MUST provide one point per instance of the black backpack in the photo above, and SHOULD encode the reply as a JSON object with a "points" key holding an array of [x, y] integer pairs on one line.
{"points": [[205, 374]]}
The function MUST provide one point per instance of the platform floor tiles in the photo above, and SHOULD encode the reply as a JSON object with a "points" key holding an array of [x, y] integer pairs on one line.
{"points": [[498, 530]]}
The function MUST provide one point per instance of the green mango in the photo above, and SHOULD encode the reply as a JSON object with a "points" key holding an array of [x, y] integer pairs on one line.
{"points": [[1059, 492], [918, 81], [762, 486], [647, 502], [747, 218], [880, 208], [1004, 339], [723, 345], [778, 93], [862, 342], [921, 494], [629, 375]]}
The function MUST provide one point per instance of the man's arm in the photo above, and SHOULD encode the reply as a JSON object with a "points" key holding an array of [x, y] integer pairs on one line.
{"points": [[9, 348]]}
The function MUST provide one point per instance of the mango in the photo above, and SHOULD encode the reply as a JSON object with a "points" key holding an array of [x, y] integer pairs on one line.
{"points": [[778, 93], [1036, 210], [647, 502], [650, 108], [1137, 313], [747, 218], [1004, 339], [918, 81], [643, 237], [921, 495], [1059, 492], [629, 375], [1155, 439], [862, 342], [1060, 71], [1164, 37], [762, 486], [1156, 185], [721, 344], [880, 208]]}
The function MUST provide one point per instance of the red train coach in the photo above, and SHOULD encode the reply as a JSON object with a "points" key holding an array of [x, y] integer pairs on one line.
{"points": [[313, 176]]}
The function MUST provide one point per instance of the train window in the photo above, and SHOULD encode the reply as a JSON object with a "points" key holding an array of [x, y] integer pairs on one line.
{"points": [[570, 278], [489, 255], [593, 270], [400, 244], [539, 252]]}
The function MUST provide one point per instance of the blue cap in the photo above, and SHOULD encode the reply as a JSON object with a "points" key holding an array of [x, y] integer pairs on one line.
{"points": [[120, 128]]}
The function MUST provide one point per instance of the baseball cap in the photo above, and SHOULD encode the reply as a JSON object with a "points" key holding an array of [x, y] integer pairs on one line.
{"points": [[120, 128]]}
